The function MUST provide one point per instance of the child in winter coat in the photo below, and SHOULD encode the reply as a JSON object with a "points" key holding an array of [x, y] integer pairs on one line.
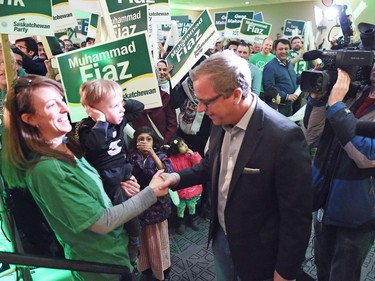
{"points": [[154, 251], [183, 157]]}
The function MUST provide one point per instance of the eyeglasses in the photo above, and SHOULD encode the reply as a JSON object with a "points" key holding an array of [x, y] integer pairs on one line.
{"points": [[208, 102]]}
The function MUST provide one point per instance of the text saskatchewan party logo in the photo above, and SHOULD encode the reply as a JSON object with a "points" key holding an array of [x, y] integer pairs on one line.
{"points": [[27, 17]]}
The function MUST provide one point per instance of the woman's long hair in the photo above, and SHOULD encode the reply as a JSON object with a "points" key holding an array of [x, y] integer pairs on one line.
{"points": [[23, 144]]}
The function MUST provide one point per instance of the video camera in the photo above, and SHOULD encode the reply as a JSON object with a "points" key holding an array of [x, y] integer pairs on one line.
{"points": [[357, 63]]}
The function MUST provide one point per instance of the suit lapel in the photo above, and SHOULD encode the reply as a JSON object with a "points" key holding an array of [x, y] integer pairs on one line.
{"points": [[216, 140]]}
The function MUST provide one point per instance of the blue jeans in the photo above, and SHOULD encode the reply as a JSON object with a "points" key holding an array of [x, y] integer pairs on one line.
{"points": [[224, 268], [340, 251]]}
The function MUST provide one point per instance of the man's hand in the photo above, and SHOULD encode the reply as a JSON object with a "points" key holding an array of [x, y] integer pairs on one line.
{"points": [[292, 97], [171, 178], [340, 89]]}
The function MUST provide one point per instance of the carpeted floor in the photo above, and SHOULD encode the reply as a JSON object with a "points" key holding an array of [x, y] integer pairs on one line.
{"points": [[192, 261]]}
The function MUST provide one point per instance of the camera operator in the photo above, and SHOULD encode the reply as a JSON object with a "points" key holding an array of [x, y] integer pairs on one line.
{"points": [[343, 170]]}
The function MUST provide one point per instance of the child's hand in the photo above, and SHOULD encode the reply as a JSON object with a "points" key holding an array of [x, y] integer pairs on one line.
{"points": [[190, 152], [95, 114], [145, 148]]}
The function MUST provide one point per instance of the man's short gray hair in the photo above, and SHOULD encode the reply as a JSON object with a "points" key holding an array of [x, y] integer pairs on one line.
{"points": [[227, 71]]}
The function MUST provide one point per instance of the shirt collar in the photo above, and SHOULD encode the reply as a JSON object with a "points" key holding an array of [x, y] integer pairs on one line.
{"points": [[242, 124], [286, 63]]}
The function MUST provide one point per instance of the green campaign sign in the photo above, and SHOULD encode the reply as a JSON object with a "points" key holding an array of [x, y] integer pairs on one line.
{"points": [[220, 21], [254, 31], [293, 26], [233, 23], [26, 17], [126, 61], [183, 25], [62, 15], [201, 36], [93, 25], [130, 21], [159, 10]]}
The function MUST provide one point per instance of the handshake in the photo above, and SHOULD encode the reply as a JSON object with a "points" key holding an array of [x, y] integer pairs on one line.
{"points": [[159, 183]]}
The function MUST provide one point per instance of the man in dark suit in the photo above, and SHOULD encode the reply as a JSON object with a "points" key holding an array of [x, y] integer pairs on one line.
{"points": [[259, 168]]}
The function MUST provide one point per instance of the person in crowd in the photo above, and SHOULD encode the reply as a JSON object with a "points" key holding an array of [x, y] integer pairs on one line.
{"points": [[41, 52], [146, 158], [89, 41], [68, 45], [61, 43], [343, 169], [278, 36], [296, 55], [232, 45], [300, 65], [257, 48], [101, 135], [218, 46], [280, 74], [19, 57], [193, 126], [263, 57], [40, 155], [272, 98], [243, 50], [261, 209], [31, 62], [162, 119], [183, 157], [251, 47], [163, 70]]}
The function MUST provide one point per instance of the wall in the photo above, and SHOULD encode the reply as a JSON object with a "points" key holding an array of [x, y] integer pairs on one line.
{"points": [[275, 14]]}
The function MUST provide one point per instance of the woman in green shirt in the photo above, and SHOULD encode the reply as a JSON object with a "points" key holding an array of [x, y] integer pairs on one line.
{"points": [[38, 154]]}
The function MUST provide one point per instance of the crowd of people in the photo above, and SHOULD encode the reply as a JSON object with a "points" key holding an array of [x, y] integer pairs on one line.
{"points": [[221, 143]]}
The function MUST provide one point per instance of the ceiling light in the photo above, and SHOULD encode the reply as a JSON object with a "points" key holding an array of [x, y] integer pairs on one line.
{"points": [[247, 2]]}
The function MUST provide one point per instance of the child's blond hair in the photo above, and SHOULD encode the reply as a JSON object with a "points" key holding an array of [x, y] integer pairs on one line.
{"points": [[93, 91]]}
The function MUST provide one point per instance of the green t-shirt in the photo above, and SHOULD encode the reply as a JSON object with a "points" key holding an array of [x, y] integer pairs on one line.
{"points": [[300, 65], [260, 61], [72, 199]]}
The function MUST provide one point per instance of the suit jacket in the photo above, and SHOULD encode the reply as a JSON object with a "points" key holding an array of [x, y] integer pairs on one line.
{"points": [[269, 204]]}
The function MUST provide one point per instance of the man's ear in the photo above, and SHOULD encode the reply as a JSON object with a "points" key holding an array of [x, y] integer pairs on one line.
{"points": [[28, 119], [237, 94]]}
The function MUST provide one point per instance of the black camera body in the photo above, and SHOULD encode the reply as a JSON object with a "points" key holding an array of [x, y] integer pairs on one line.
{"points": [[357, 63]]}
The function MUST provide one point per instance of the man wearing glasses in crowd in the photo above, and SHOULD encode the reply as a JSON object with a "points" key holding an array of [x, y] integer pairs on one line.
{"points": [[259, 170]]}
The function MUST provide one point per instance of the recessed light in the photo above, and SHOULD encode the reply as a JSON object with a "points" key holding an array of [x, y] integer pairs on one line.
{"points": [[247, 3]]}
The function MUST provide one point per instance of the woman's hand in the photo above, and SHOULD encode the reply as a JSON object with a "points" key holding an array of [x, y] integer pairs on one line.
{"points": [[131, 186], [159, 184]]}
